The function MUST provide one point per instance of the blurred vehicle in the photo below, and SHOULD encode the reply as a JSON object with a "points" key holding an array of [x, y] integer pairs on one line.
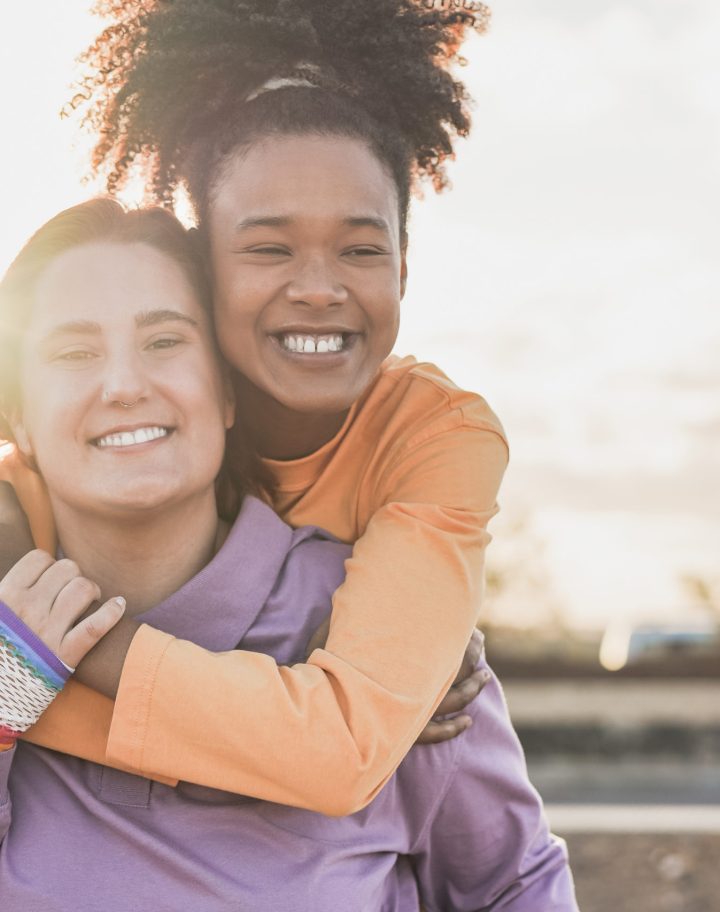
{"points": [[627, 646]]}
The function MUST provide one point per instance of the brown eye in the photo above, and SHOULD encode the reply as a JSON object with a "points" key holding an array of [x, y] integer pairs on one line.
{"points": [[164, 343], [77, 355], [268, 250], [364, 252]]}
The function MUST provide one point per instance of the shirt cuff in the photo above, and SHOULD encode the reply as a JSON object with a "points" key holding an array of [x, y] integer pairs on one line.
{"points": [[126, 743]]}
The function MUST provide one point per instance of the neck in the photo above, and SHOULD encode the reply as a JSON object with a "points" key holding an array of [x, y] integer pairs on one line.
{"points": [[143, 558], [277, 432]]}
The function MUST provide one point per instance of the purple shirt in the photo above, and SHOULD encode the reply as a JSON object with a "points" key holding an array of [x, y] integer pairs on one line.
{"points": [[459, 826]]}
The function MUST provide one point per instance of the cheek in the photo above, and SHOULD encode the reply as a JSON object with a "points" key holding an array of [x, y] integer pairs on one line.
{"points": [[385, 318], [235, 336], [46, 412], [203, 390]]}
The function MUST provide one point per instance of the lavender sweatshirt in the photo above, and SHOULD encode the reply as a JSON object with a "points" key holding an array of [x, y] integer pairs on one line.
{"points": [[459, 827]]}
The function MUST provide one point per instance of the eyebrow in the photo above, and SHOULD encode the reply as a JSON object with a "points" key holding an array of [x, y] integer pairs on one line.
{"points": [[263, 221], [368, 221], [142, 320], [153, 317], [282, 221]]}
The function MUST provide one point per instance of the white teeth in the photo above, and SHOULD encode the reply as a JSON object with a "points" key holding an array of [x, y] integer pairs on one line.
{"points": [[132, 438], [311, 345]]}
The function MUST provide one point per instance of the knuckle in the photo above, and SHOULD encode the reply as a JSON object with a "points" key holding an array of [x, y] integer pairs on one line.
{"points": [[92, 629], [84, 586], [470, 688], [38, 554], [69, 566]]}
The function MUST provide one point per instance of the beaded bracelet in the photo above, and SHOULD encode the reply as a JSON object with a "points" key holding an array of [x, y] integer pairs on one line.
{"points": [[31, 676]]}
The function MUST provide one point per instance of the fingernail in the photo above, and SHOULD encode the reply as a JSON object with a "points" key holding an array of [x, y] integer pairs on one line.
{"points": [[485, 675], [120, 601]]}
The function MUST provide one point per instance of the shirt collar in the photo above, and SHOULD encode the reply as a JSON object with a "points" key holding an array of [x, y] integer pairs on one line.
{"points": [[217, 606]]}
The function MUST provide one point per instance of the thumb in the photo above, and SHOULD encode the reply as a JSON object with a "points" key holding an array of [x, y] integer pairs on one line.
{"points": [[79, 640]]}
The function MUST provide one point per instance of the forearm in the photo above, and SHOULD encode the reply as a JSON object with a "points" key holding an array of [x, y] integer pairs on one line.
{"points": [[348, 716], [214, 719], [102, 667]]}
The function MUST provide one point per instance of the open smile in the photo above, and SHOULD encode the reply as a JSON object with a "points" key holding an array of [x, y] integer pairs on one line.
{"points": [[303, 343], [131, 438]]}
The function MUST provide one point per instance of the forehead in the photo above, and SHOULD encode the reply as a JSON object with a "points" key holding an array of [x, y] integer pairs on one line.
{"points": [[305, 178], [107, 281]]}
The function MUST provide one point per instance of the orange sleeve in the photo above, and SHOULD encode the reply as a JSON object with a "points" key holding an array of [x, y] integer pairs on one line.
{"points": [[328, 734]]}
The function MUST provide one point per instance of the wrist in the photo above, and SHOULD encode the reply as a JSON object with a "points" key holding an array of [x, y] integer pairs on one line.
{"points": [[31, 676]]}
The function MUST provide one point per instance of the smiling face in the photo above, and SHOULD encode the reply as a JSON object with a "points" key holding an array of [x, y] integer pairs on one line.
{"points": [[123, 405], [309, 271]]}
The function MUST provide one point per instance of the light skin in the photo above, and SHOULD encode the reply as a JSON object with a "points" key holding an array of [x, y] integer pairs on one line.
{"points": [[124, 409]]}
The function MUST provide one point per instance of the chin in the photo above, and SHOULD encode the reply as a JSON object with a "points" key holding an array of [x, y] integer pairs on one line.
{"points": [[139, 500], [321, 401]]}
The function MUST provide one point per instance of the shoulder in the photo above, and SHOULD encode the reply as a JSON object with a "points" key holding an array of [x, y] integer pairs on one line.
{"points": [[417, 398]]}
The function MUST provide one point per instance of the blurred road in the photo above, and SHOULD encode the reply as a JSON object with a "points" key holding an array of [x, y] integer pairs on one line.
{"points": [[630, 773], [647, 781], [618, 702]]}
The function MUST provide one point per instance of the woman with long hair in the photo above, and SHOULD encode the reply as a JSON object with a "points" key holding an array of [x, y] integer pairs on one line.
{"points": [[113, 390]]}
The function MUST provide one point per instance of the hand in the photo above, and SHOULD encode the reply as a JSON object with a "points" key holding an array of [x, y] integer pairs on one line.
{"points": [[467, 685], [49, 596]]}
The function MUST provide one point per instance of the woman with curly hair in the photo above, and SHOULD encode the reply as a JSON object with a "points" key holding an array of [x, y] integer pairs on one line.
{"points": [[299, 128]]}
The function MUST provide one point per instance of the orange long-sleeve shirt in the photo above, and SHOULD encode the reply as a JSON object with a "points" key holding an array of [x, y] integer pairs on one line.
{"points": [[412, 479]]}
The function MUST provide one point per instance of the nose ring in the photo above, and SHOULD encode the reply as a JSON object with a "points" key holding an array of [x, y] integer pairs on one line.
{"points": [[106, 398]]}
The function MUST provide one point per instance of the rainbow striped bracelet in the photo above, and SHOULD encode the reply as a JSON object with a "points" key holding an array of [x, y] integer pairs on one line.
{"points": [[31, 676]]}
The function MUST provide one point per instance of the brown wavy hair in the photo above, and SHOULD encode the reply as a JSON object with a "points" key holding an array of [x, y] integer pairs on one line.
{"points": [[92, 222]]}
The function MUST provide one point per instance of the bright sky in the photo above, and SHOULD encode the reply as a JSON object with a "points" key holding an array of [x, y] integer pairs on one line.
{"points": [[571, 276]]}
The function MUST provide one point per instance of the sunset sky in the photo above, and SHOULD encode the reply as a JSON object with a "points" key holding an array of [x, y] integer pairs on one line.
{"points": [[571, 276]]}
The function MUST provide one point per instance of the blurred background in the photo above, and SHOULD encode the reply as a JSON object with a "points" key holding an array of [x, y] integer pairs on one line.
{"points": [[572, 277]]}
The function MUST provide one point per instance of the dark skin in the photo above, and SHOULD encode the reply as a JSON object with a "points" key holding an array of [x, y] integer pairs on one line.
{"points": [[102, 667]]}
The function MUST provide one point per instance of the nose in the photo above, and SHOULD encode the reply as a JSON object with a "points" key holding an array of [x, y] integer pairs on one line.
{"points": [[316, 284], [125, 382]]}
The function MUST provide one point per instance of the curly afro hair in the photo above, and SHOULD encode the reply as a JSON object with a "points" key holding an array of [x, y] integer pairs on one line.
{"points": [[176, 86]]}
